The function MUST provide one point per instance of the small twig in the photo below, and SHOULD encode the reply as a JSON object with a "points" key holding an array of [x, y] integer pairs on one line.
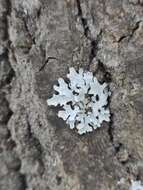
{"points": [[47, 60]]}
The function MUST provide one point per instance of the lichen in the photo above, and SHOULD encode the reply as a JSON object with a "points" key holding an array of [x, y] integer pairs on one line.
{"points": [[83, 99], [136, 185]]}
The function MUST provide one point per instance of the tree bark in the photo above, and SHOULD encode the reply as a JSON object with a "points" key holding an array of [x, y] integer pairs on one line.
{"points": [[37, 150]]}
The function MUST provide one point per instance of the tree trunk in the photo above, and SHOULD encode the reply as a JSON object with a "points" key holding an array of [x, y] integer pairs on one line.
{"points": [[38, 151]]}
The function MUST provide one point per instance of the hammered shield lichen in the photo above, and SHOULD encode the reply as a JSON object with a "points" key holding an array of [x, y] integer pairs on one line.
{"points": [[83, 99]]}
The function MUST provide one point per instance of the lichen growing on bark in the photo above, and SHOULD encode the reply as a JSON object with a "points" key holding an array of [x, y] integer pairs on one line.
{"points": [[83, 99]]}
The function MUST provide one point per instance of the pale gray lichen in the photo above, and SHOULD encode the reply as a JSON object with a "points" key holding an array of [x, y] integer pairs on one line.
{"points": [[83, 99], [136, 185]]}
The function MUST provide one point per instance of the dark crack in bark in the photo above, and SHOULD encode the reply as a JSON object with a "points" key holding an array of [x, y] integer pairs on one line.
{"points": [[131, 33], [94, 47], [94, 43], [83, 20]]}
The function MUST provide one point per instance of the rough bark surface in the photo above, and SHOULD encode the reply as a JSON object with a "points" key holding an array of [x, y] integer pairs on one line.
{"points": [[37, 150]]}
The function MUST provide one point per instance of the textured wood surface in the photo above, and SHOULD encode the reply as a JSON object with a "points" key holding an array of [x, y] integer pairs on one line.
{"points": [[37, 150]]}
